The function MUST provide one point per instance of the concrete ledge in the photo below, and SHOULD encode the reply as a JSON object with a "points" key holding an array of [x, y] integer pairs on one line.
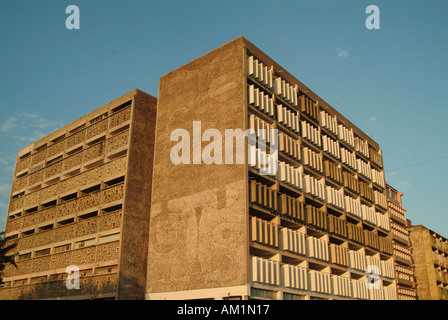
{"points": [[211, 293]]}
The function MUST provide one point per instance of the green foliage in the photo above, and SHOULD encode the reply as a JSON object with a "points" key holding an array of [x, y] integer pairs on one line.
{"points": [[5, 257]]}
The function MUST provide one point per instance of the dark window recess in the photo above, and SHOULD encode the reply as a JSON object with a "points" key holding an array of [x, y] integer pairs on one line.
{"points": [[18, 195], [88, 215], [16, 216], [115, 181], [24, 256], [47, 227], [77, 129], [113, 208], [41, 147], [78, 149], [42, 252], [26, 233], [96, 141], [15, 236], [91, 189], [31, 210], [22, 175], [69, 197], [25, 156], [68, 221], [49, 204], [60, 138], [55, 160], [121, 107]]}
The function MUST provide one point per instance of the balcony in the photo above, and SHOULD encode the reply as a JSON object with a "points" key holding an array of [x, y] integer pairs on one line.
{"points": [[405, 282]]}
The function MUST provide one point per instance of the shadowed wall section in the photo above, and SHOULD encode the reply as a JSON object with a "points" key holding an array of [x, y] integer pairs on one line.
{"points": [[135, 223]]}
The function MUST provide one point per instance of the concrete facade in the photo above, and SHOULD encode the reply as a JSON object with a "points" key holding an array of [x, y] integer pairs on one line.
{"points": [[404, 269]]}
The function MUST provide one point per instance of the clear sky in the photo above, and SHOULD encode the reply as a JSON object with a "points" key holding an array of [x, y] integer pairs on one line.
{"points": [[392, 82]]}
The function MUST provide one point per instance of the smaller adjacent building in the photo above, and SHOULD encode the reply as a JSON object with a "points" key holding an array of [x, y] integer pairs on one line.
{"points": [[80, 202], [430, 257], [404, 273]]}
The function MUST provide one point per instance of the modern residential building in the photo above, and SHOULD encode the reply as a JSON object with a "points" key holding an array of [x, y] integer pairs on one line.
{"points": [[223, 229], [404, 272], [80, 197], [430, 256]]}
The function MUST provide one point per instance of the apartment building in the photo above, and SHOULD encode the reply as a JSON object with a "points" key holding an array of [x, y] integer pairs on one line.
{"points": [[225, 229], [430, 256], [404, 269], [80, 197]]}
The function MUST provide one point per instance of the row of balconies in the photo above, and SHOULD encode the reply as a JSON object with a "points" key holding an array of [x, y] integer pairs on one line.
{"points": [[59, 212], [277, 274], [73, 162], [405, 275], [289, 93], [82, 253], [73, 141], [295, 177], [271, 234], [290, 119], [397, 214], [399, 232], [331, 170], [68, 230], [295, 208], [406, 294], [403, 249]]}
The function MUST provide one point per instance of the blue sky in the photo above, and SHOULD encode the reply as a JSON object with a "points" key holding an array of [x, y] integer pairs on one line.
{"points": [[390, 82]]}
